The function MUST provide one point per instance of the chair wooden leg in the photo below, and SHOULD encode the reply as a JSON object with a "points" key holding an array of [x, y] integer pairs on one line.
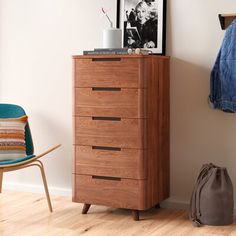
{"points": [[86, 208], [135, 214], [1, 177], [157, 206], [45, 185]]}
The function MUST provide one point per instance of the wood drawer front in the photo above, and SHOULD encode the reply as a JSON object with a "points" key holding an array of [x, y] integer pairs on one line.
{"points": [[119, 102], [123, 133], [103, 161], [119, 193], [108, 72]]}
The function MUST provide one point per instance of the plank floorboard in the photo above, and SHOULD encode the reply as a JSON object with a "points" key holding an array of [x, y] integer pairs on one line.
{"points": [[26, 214]]}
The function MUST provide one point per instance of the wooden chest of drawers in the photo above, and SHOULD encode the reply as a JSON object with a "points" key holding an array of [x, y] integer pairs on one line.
{"points": [[121, 131]]}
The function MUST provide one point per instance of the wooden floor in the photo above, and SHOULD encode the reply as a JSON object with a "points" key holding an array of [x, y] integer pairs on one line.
{"points": [[27, 214]]}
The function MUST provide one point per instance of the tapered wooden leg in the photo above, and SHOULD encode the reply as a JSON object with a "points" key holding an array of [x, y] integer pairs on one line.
{"points": [[86, 208], [157, 206], [135, 214], [1, 176], [45, 185]]}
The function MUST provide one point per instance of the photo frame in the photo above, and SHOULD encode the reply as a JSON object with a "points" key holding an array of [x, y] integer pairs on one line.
{"points": [[143, 24]]}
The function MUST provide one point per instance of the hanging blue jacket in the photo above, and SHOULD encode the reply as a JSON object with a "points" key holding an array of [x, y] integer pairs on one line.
{"points": [[223, 75]]}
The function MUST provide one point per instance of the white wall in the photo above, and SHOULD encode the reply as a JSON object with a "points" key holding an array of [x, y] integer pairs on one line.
{"points": [[37, 39], [198, 134]]}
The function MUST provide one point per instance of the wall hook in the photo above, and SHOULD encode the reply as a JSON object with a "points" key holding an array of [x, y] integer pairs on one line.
{"points": [[226, 19]]}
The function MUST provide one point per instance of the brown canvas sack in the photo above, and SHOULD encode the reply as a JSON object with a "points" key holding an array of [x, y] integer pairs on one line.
{"points": [[212, 198]]}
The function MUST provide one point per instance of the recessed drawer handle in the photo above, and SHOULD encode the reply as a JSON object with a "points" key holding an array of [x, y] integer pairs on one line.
{"points": [[106, 118], [106, 89], [106, 59], [106, 148], [106, 178]]}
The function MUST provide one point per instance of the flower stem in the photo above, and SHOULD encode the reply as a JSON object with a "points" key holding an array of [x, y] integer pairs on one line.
{"points": [[104, 12]]}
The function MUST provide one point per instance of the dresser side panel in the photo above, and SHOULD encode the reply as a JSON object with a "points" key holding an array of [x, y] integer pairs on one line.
{"points": [[157, 129]]}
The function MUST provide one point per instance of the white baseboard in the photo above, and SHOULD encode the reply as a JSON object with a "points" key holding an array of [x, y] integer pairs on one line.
{"points": [[172, 203], [36, 189], [175, 204], [180, 205]]}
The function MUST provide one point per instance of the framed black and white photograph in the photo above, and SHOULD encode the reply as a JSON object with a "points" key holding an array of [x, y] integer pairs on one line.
{"points": [[143, 24]]}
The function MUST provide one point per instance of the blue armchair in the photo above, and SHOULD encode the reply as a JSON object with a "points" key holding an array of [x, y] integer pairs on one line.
{"points": [[15, 111]]}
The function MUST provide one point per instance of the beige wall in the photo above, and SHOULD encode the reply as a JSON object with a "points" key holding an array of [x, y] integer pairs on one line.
{"points": [[37, 39], [198, 133]]}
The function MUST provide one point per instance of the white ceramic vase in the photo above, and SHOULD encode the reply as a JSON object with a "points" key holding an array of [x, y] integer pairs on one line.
{"points": [[112, 38]]}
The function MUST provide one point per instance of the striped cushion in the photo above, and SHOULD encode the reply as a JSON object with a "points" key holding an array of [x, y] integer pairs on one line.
{"points": [[12, 138]]}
